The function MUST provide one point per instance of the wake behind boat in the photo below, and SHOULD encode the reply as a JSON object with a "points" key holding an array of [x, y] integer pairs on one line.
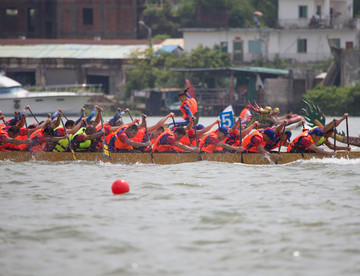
{"points": [[14, 97]]}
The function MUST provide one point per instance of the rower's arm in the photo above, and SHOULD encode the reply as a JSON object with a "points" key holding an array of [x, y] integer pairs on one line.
{"points": [[228, 147], [56, 139], [137, 144], [77, 127], [57, 122], [17, 141], [160, 123], [247, 130], [94, 135], [186, 148], [321, 151], [207, 128], [331, 146], [98, 117]]}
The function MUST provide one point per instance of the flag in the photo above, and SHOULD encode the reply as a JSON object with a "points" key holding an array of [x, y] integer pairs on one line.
{"points": [[229, 108], [231, 89], [190, 88]]}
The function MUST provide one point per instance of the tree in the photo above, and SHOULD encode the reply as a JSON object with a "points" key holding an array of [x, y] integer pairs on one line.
{"points": [[152, 69]]}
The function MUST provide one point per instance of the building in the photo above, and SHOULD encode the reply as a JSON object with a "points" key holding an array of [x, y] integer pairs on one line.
{"points": [[304, 27], [44, 63], [68, 19]]}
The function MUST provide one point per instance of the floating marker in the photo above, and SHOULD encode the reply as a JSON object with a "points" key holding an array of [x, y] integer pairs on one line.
{"points": [[120, 186]]}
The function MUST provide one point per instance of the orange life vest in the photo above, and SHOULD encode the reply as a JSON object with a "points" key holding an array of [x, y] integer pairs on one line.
{"points": [[21, 147], [243, 113], [40, 147], [118, 144], [205, 145], [192, 106], [3, 132], [161, 146], [247, 142], [297, 146]]}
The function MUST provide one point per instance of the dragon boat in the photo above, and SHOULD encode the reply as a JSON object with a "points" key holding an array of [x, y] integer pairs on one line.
{"points": [[165, 158]]}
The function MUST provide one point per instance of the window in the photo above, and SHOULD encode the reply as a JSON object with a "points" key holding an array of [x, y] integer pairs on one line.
{"points": [[224, 47], [318, 10], [11, 12], [87, 16], [336, 42], [301, 46], [255, 46], [31, 20], [238, 52], [11, 18], [303, 12]]}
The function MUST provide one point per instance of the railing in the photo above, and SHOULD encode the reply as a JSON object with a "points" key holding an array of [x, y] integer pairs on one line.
{"points": [[219, 97], [73, 87], [305, 23]]}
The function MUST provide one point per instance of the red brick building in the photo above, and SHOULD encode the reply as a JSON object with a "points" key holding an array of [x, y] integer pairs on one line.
{"points": [[80, 19]]}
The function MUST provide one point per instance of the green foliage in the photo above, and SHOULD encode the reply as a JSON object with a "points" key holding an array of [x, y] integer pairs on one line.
{"points": [[357, 9], [238, 14], [153, 69], [324, 65], [278, 63], [186, 12], [336, 100]]}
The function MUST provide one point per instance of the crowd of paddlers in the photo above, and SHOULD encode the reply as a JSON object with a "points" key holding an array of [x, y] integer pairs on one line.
{"points": [[92, 134]]}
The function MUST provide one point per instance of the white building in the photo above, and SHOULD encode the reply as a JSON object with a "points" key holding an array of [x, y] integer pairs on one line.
{"points": [[295, 38]]}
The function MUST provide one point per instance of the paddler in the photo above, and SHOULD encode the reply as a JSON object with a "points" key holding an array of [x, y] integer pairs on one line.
{"points": [[215, 142], [123, 141], [84, 138], [8, 139], [169, 141], [245, 114], [188, 108], [306, 142], [254, 142]]}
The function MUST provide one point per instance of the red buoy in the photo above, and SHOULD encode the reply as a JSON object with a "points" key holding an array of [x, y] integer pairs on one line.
{"points": [[120, 186]]}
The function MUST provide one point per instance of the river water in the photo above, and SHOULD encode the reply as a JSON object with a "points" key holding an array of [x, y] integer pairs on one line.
{"points": [[202, 218]]}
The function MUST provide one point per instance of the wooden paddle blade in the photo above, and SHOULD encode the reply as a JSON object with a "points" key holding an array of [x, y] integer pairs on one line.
{"points": [[73, 154], [106, 152]]}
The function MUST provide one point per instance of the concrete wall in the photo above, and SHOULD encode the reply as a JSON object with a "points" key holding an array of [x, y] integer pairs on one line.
{"points": [[350, 69], [280, 94], [275, 42]]}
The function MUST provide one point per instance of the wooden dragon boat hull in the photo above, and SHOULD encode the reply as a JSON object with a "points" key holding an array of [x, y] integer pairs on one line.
{"points": [[165, 158]]}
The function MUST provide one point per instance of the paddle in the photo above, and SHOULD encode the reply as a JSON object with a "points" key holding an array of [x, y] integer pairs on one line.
{"points": [[303, 125], [32, 154], [128, 111], [281, 139], [173, 121], [33, 116], [105, 147], [241, 153], [70, 147], [335, 135], [347, 131], [148, 137], [197, 141]]}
